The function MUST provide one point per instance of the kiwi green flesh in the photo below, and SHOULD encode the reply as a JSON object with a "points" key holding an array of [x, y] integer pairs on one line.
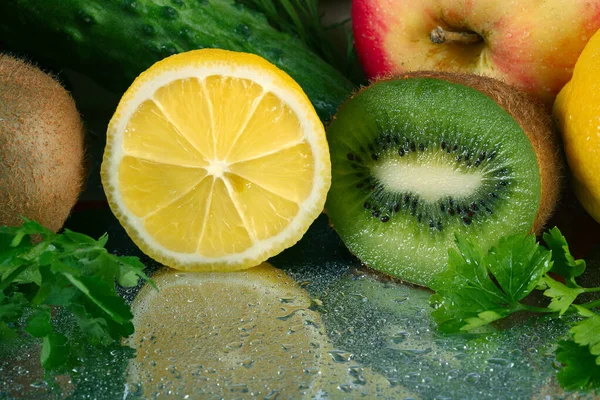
{"points": [[416, 161]]}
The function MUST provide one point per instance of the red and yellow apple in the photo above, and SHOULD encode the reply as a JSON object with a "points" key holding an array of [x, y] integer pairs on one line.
{"points": [[531, 44]]}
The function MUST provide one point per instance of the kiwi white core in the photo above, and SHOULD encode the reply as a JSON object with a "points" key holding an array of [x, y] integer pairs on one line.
{"points": [[432, 181]]}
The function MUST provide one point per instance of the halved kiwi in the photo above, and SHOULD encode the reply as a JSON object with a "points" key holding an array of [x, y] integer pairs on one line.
{"points": [[418, 159]]}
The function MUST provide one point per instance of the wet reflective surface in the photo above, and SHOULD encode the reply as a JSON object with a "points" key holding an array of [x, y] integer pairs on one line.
{"points": [[312, 325]]}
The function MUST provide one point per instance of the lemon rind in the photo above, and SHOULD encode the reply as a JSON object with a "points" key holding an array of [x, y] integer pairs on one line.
{"points": [[201, 64]]}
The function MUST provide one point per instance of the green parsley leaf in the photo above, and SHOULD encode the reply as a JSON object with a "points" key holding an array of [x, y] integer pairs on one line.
{"points": [[76, 276], [7, 333], [12, 305], [579, 371], [40, 324], [101, 294], [562, 296], [587, 331], [130, 271], [54, 351], [477, 289], [79, 238], [565, 264], [96, 328], [28, 228], [518, 263]]}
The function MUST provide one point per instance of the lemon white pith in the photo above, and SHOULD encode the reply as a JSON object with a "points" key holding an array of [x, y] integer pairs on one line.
{"points": [[215, 160]]}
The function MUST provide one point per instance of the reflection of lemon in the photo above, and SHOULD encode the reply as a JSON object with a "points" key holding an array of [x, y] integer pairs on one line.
{"points": [[215, 160], [247, 334], [577, 110]]}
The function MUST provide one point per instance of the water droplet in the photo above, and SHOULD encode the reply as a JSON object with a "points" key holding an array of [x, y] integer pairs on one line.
{"points": [[131, 6], [239, 388], [399, 337], [400, 299], [472, 377], [345, 388], [394, 381], [340, 356], [287, 300], [243, 30], [286, 347], [294, 329], [415, 352], [500, 361], [134, 389], [311, 371], [169, 12], [87, 18], [172, 369], [289, 314], [233, 346], [247, 327], [39, 384], [453, 374], [247, 363], [272, 396], [361, 296]]}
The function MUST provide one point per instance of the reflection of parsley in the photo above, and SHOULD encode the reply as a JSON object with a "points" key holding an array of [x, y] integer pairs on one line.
{"points": [[477, 289], [42, 272]]}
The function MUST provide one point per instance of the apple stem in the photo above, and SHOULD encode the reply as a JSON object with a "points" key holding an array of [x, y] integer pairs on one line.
{"points": [[439, 36]]}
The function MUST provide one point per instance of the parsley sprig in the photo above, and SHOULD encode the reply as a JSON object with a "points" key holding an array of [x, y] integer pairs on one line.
{"points": [[42, 273], [479, 288]]}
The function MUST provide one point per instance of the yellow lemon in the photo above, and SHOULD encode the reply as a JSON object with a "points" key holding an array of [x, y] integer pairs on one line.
{"points": [[242, 334], [577, 111], [215, 160]]}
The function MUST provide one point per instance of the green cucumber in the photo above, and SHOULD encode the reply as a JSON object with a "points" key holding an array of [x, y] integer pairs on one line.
{"points": [[113, 41]]}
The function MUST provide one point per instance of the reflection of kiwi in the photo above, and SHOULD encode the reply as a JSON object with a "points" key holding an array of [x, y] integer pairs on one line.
{"points": [[418, 159], [41, 146]]}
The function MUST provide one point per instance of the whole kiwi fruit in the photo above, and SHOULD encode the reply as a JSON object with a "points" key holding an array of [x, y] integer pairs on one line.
{"points": [[42, 157], [420, 158]]}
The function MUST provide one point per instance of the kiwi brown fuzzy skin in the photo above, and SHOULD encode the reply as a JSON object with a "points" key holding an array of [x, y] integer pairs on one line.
{"points": [[42, 154], [535, 120]]}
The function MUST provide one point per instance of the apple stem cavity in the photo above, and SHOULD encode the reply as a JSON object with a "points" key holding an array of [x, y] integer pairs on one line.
{"points": [[440, 36]]}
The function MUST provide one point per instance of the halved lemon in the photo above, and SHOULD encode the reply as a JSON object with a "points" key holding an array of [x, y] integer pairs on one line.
{"points": [[215, 160]]}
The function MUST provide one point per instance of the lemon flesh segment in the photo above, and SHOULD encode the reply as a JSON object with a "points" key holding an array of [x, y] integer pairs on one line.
{"points": [[151, 135], [245, 333], [215, 161]]}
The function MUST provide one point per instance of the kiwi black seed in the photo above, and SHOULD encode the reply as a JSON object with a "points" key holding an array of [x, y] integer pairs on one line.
{"points": [[42, 161], [418, 159]]}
